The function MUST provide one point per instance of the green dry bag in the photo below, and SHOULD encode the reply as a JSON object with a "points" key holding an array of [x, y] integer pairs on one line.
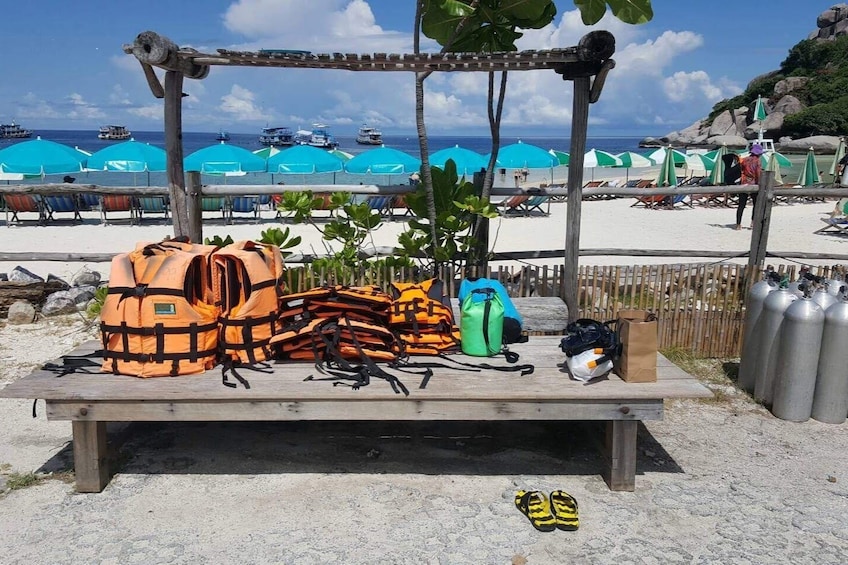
{"points": [[481, 323]]}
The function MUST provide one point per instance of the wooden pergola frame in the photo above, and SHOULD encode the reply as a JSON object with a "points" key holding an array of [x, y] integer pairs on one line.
{"points": [[585, 64]]}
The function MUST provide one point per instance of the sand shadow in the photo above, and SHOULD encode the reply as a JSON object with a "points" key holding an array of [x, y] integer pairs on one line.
{"points": [[728, 227], [429, 448]]}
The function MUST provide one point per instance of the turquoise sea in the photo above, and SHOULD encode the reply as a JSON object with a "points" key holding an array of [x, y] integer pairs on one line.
{"points": [[192, 141]]}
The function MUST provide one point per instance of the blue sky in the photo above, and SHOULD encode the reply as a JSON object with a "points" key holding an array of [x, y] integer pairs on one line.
{"points": [[62, 66]]}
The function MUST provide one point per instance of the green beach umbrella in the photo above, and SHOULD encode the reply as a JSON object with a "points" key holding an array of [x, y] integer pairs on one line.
{"points": [[561, 156], [658, 156], [698, 162], [667, 176], [840, 153], [759, 110], [631, 160], [717, 174], [267, 152], [597, 158], [810, 173], [779, 158], [343, 155], [773, 164]]}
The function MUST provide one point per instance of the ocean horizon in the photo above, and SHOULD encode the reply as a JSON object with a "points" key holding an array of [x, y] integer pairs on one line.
{"points": [[193, 141]]}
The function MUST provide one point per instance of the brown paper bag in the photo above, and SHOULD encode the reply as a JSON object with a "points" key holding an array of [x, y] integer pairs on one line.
{"points": [[637, 330]]}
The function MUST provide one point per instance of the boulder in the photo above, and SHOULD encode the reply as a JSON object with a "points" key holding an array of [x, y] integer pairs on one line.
{"points": [[81, 294], [819, 143], [59, 281], [722, 124], [841, 28], [21, 312], [788, 105], [787, 85], [87, 277], [732, 141], [19, 274], [57, 305], [650, 142]]}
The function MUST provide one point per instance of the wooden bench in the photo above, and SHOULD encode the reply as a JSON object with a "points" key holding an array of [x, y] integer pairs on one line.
{"points": [[89, 401]]}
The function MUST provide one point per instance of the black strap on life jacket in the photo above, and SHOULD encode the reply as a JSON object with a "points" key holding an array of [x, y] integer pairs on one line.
{"points": [[248, 343], [158, 356], [229, 366]]}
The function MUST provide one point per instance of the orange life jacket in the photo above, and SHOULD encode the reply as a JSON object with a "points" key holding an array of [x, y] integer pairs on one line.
{"points": [[421, 314], [156, 320], [247, 281]]}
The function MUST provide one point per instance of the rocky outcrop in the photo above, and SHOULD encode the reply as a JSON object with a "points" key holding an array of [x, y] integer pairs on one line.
{"points": [[50, 298], [787, 85], [831, 23], [732, 141], [819, 143]]}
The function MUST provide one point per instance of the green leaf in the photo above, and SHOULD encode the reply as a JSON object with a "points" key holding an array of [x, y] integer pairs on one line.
{"points": [[628, 11]]}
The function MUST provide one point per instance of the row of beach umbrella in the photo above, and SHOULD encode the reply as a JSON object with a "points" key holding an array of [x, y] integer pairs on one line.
{"points": [[42, 157]]}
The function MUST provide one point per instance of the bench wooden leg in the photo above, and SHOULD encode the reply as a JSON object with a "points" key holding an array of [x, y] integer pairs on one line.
{"points": [[620, 452], [90, 462]]}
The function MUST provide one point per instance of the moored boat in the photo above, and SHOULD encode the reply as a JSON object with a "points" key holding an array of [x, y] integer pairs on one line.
{"points": [[222, 136], [369, 136], [13, 131], [276, 136], [113, 133], [319, 136]]}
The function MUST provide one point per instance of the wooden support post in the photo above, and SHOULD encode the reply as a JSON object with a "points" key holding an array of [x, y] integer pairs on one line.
{"points": [[579, 123], [761, 223], [194, 207], [620, 454], [90, 463], [174, 150]]}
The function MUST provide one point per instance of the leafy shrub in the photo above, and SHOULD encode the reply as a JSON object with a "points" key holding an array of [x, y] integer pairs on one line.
{"points": [[821, 119]]}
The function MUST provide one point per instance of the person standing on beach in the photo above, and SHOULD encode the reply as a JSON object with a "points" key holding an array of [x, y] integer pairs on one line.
{"points": [[751, 168]]}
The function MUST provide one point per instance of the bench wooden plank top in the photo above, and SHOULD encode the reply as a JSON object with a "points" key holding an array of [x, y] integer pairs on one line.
{"points": [[548, 383], [538, 313]]}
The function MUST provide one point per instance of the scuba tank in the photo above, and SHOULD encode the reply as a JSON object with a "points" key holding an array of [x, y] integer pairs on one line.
{"points": [[765, 361], [751, 334], [830, 402], [824, 298], [798, 285], [798, 360]]}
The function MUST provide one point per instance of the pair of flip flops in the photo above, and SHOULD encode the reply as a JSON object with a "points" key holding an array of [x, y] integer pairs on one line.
{"points": [[548, 514]]}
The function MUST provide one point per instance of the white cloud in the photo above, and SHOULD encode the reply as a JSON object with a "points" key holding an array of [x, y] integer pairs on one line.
{"points": [[151, 112], [119, 97], [80, 109], [240, 103], [31, 106], [683, 86]]}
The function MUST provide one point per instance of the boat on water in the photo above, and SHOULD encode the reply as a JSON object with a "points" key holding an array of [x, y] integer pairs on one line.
{"points": [[369, 136], [277, 136], [113, 133], [13, 131], [319, 136], [222, 136]]}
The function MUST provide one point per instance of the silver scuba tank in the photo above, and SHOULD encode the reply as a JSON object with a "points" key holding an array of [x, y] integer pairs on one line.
{"points": [[765, 360], [830, 403], [824, 298], [798, 286], [752, 331], [798, 360]]}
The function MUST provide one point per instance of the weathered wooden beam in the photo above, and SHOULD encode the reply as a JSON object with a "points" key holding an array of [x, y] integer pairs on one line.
{"points": [[194, 207], [761, 223], [579, 125], [600, 79], [174, 151], [157, 50]]}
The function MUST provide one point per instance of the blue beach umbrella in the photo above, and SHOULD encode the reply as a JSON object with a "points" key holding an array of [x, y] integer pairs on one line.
{"points": [[304, 160], [224, 159], [130, 157], [40, 157], [467, 162], [383, 161], [524, 155]]}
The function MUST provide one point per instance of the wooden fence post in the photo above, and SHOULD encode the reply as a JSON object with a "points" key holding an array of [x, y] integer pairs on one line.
{"points": [[194, 208], [761, 223], [174, 150], [579, 123]]}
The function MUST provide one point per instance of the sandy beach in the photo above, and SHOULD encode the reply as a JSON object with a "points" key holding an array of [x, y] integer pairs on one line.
{"points": [[606, 224]]}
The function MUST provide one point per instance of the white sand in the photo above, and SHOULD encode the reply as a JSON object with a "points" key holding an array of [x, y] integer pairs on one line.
{"points": [[605, 224]]}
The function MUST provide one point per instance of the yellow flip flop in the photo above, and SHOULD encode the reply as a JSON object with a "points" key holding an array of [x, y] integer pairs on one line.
{"points": [[536, 506], [564, 510]]}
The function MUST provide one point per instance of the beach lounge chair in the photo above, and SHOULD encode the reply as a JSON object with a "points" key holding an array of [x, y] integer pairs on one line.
{"points": [[117, 203], [647, 201], [590, 187], [89, 201], [512, 205], [834, 226], [61, 203], [17, 203], [214, 204], [149, 205], [535, 203], [399, 203], [243, 205], [381, 204]]}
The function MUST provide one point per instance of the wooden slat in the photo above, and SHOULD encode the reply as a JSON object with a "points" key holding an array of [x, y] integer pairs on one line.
{"points": [[157, 411], [549, 383]]}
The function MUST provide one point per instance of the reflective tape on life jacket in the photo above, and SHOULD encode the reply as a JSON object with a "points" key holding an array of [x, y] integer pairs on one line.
{"points": [[247, 282], [155, 320]]}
